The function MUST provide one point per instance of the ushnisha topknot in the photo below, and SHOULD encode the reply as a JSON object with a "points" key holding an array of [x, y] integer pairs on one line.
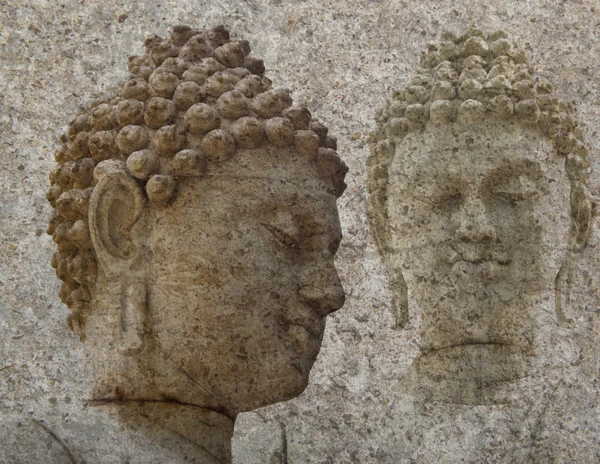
{"points": [[191, 102], [463, 79]]}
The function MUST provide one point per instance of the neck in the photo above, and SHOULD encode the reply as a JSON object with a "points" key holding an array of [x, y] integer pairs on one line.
{"points": [[199, 434]]}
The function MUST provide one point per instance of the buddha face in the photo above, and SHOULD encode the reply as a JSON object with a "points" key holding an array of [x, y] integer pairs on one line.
{"points": [[239, 278], [480, 224], [243, 277]]}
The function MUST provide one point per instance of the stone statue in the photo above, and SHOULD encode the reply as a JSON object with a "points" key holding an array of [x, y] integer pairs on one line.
{"points": [[478, 206], [196, 223]]}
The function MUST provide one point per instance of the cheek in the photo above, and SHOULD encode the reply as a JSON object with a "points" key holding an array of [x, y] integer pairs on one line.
{"points": [[234, 324], [554, 241], [420, 240], [189, 313], [554, 219], [515, 225], [537, 232], [414, 226]]}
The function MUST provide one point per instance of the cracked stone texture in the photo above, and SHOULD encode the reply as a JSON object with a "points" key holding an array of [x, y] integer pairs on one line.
{"points": [[343, 59]]}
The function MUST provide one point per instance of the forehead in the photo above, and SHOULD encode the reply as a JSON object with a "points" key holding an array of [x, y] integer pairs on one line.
{"points": [[253, 184], [236, 198], [471, 152]]}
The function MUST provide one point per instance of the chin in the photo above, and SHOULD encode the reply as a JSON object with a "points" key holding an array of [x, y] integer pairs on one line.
{"points": [[291, 382]]}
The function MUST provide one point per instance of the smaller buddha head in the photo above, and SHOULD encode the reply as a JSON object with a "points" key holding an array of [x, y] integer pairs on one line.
{"points": [[196, 223], [478, 199]]}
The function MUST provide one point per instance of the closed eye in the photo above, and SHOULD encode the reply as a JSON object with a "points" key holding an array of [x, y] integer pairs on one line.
{"points": [[511, 196], [443, 201], [514, 196], [514, 184], [451, 199], [288, 239]]}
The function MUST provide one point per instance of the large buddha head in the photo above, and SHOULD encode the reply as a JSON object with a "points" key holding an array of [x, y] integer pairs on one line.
{"points": [[478, 204], [196, 223]]}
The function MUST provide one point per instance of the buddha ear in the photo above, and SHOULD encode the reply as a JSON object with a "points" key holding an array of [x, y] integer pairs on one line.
{"points": [[116, 204], [399, 291], [582, 216], [583, 203]]}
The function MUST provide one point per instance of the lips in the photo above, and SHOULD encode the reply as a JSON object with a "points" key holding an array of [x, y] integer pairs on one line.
{"points": [[302, 341], [304, 334], [477, 254], [307, 320], [304, 330]]}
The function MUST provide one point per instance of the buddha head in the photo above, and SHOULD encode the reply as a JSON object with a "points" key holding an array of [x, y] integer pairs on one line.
{"points": [[478, 204], [196, 224]]}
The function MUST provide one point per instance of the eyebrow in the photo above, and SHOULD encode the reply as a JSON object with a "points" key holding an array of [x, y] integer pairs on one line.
{"points": [[437, 179]]}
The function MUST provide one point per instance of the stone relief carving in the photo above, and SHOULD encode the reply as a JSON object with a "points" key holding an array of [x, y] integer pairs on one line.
{"points": [[196, 224], [478, 206]]}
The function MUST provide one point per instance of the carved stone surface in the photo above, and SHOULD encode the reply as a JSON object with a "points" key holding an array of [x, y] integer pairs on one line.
{"points": [[479, 206], [343, 59], [196, 226]]}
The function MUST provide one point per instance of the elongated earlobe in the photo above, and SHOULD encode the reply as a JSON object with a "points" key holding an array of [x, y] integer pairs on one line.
{"points": [[562, 289], [583, 210], [133, 313], [399, 291]]}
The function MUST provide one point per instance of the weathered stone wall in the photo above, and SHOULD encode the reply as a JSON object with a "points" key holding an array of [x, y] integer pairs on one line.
{"points": [[342, 59]]}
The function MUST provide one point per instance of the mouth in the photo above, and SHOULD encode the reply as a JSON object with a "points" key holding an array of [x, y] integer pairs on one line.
{"points": [[303, 342], [477, 255], [313, 326], [304, 330]]}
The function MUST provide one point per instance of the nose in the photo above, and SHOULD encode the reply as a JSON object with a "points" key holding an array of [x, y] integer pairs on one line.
{"points": [[473, 222], [321, 288]]}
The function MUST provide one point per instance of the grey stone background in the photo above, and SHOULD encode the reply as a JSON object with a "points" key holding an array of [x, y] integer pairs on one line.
{"points": [[342, 59]]}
